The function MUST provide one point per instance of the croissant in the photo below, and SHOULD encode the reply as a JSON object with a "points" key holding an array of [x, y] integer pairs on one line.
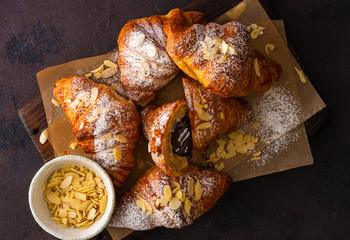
{"points": [[210, 115], [219, 57], [144, 64], [160, 200], [169, 136], [104, 124]]}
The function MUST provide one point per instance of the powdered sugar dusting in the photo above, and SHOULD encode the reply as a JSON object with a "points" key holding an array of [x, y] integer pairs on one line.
{"points": [[275, 148], [277, 113]]}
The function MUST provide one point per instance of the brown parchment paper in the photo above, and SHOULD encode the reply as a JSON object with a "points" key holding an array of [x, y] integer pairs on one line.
{"points": [[61, 136]]}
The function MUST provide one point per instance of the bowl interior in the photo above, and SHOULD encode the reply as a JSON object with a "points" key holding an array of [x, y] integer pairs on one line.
{"points": [[41, 211]]}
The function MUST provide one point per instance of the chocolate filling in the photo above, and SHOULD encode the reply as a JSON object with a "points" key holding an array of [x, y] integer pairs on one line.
{"points": [[181, 139]]}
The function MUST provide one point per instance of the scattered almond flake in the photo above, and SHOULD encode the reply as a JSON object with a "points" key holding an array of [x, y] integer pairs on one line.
{"points": [[301, 75], [163, 201], [137, 39], [269, 48], [88, 75], [277, 113], [267, 92], [204, 125], [255, 158], [232, 49], [222, 115], [224, 47], [174, 203], [167, 192], [188, 205], [99, 69], [170, 215], [120, 138], [81, 125], [219, 167], [109, 72], [178, 195], [97, 75], [151, 50], [238, 10], [197, 191], [190, 187], [110, 64], [55, 102], [255, 125], [257, 67], [257, 154], [43, 136], [117, 152], [73, 145]]}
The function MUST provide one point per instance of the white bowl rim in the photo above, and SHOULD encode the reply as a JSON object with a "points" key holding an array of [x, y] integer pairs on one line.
{"points": [[52, 162]]}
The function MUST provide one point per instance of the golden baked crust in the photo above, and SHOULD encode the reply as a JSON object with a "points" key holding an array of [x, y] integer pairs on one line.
{"points": [[144, 64], [219, 57], [157, 126], [98, 114], [225, 113], [128, 215]]}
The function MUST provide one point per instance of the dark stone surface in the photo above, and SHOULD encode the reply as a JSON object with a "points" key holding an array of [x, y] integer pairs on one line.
{"points": [[305, 203]]}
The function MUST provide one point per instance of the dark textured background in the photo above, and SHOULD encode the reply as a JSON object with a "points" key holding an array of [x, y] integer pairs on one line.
{"points": [[305, 203]]}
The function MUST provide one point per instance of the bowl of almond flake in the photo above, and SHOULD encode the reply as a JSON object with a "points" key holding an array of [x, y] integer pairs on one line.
{"points": [[72, 197]]}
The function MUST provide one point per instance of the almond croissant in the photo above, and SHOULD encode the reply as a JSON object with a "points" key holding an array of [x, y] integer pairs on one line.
{"points": [[219, 57], [211, 116], [144, 64], [159, 125], [104, 124], [160, 200]]}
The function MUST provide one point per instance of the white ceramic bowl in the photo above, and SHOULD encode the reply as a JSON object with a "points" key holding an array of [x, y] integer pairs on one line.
{"points": [[41, 211]]}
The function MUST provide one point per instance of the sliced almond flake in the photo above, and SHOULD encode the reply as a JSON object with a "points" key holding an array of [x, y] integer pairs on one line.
{"points": [[141, 204], [257, 67], [73, 145], [81, 125], [80, 196], [178, 195], [66, 182], [269, 48], [137, 39], [255, 158], [163, 201], [174, 203], [43, 136], [167, 192], [110, 64], [212, 155], [117, 152], [109, 72], [55, 102], [255, 125], [106, 137], [62, 213], [52, 197], [222, 115], [203, 115], [230, 155], [250, 146], [170, 216], [224, 47], [97, 75], [151, 50], [145, 70], [157, 202], [88, 75], [99, 69], [301, 75], [204, 125], [198, 190], [232, 49], [241, 148], [190, 187], [93, 94], [198, 105], [188, 205], [257, 153], [120, 138], [219, 167]]}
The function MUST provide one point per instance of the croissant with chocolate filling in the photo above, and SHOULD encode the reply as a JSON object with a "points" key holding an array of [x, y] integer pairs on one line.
{"points": [[144, 64], [105, 124], [173, 202], [161, 128], [219, 57], [210, 115]]}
